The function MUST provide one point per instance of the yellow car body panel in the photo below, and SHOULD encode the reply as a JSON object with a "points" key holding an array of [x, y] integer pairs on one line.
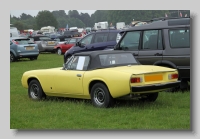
{"points": [[76, 84]]}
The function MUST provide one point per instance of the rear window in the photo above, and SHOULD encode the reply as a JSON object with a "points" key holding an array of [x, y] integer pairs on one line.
{"points": [[23, 41], [117, 59], [179, 38]]}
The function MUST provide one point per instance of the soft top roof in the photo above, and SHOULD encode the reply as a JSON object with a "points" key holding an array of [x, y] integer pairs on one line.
{"points": [[95, 60]]}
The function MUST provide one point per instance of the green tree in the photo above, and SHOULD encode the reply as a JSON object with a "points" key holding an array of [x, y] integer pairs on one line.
{"points": [[19, 25], [46, 18]]}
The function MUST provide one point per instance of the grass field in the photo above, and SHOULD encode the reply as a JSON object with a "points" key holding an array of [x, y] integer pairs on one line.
{"points": [[171, 111]]}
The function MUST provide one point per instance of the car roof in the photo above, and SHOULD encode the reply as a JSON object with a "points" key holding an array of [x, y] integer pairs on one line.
{"points": [[95, 60], [13, 38], [162, 23]]}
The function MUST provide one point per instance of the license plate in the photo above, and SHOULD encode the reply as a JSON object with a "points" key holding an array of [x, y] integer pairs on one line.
{"points": [[29, 47], [155, 77], [51, 42]]}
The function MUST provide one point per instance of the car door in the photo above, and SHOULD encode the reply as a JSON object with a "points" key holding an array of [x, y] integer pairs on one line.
{"points": [[130, 42], [151, 50], [86, 44], [70, 80], [99, 42]]}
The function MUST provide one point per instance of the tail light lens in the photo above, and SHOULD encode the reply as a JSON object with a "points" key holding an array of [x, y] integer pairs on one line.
{"points": [[15, 42], [173, 76], [136, 80]]}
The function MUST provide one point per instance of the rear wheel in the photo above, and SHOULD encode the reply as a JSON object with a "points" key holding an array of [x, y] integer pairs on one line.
{"points": [[100, 96], [35, 91], [12, 57], [59, 52]]}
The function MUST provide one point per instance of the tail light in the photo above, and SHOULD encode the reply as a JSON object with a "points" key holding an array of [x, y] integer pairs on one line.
{"points": [[15, 42], [136, 80], [173, 76]]}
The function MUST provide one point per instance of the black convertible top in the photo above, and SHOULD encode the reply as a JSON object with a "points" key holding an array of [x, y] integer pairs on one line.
{"points": [[95, 62]]}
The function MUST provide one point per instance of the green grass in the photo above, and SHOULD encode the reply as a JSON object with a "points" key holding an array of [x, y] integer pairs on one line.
{"points": [[171, 111]]}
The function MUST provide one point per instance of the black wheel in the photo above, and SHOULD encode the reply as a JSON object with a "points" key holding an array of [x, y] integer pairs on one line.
{"points": [[151, 97], [35, 91], [33, 58], [67, 58], [12, 57], [59, 52], [100, 96]]}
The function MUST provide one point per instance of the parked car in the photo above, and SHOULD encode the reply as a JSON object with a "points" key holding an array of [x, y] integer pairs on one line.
{"points": [[61, 39], [101, 40], [45, 43], [164, 42], [22, 47], [72, 33], [101, 76], [62, 48]]}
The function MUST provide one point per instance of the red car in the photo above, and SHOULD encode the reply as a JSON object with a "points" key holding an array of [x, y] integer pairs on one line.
{"points": [[62, 48]]}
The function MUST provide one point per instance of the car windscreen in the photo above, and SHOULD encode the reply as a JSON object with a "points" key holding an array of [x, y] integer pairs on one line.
{"points": [[117, 59]]}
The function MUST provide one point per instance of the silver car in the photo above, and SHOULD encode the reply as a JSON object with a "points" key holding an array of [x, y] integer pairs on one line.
{"points": [[22, 47]]}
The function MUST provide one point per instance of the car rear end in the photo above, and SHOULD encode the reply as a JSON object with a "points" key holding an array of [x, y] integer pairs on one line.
{"points": [[150, 81], [48, 44], [25, 48]]}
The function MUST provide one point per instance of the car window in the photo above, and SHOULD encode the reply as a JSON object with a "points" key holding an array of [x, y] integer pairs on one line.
{"points": [[117, 59], [130, 41], [100, 37], [179, 38], [72, 41], [22, 41], [152, 39], [78, 63], [112, 36], [86, 40]]}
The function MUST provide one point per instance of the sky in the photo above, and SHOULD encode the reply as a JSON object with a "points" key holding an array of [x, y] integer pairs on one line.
{"points": [[17, 13]]}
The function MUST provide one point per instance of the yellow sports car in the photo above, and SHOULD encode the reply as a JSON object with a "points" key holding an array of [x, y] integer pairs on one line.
{"points": [[100, 76]]}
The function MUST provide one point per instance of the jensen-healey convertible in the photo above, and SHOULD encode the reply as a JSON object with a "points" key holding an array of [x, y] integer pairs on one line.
{"points": [[101, 76]]}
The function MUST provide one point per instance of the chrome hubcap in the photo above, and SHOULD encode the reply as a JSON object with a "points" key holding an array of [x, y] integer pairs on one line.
{"points": [[34, 91], [99, 96], [59, 51]]}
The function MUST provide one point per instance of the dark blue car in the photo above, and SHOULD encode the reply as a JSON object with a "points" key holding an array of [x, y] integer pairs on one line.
{"points": [[100, 40]]}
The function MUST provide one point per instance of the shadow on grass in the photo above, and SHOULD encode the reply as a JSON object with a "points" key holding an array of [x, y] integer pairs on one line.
{"points": [[118, 103]]}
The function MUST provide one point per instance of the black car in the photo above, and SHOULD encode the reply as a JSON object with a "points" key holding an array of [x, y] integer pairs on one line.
{"points": [[164, 42], [71, 33], [101, 40]]}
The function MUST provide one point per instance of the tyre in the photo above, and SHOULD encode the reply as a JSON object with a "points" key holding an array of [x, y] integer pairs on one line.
{"points": [[59, 52], [100, 96], [35, 91], [12, 57], [151, 97]]}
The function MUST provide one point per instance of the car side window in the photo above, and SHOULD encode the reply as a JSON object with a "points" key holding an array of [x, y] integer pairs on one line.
{"points": [[130, 41], [179, 38], [152, 39], [112, 36], [78, 63], [100, 37], [86, 40], [72, 41]]}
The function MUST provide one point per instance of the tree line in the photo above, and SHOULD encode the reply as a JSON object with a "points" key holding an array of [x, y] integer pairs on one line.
{"points": [[59, 18]]}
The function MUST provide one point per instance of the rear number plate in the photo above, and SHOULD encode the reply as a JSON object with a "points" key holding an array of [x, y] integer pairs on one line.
{"points": [[29, 47], [157, 77]]}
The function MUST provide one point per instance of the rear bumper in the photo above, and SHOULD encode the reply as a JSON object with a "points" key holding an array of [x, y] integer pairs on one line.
{"points": [[154, 88]]}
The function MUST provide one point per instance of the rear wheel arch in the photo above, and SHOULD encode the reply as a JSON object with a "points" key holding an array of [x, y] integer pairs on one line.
{"points": [[165, 63], [92, 83]]}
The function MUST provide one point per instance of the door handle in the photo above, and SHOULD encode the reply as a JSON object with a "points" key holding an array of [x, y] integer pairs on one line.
{"points": [[135, 54], [157, 54], [78, 75]]}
